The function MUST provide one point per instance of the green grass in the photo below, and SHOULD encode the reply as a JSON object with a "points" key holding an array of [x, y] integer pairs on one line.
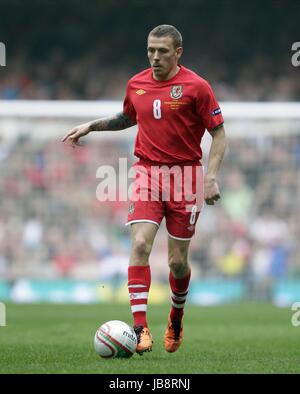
{"points": [[240, 338]]}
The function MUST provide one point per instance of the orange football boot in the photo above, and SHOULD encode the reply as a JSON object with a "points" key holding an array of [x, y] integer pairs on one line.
{"points": [[173, 335], [144, 339]]}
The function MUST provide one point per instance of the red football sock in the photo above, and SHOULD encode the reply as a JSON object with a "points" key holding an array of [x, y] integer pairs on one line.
{"points": [[179, 291], [139, 280]]}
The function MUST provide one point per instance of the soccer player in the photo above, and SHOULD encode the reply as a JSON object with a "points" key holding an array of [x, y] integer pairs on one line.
{"points": [[172, 107]]}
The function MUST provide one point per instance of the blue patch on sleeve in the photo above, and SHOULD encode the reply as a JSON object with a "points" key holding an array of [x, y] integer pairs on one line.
{"points": [[216, 111]]}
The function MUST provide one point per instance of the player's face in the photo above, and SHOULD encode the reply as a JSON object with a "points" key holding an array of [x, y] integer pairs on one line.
{"points": [[163, 57]]}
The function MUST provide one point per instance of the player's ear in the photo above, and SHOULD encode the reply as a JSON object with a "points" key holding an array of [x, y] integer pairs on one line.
{"points": [[179, 52]]}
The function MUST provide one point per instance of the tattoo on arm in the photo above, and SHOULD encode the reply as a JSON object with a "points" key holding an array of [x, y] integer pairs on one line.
{"points": [[119, 121]]}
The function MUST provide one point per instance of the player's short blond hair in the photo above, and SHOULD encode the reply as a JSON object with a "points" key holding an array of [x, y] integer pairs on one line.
{"points": [[168, 31]]}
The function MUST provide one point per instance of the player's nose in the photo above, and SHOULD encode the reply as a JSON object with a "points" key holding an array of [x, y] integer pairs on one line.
{"points": [[156, 56]]}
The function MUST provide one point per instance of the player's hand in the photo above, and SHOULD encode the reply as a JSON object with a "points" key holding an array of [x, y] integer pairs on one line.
{"points": [[76, 133], [211, 191]]}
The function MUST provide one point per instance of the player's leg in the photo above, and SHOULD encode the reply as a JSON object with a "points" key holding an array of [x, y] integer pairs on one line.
{"points": [[145, 215], [139, 280], [179, 278], [181, 219], [139, 274]]}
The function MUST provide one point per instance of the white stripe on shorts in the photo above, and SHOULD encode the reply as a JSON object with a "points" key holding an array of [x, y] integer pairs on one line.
{"points": [[141, 221], [179, 239]]}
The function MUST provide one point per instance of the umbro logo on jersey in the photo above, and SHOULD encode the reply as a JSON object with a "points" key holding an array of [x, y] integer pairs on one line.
{"points": [[140, 92], [176, 92]]}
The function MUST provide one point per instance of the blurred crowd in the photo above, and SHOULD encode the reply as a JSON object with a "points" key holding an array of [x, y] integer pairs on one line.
{"points": [[253, 234], [75, 51], [61, 77], [52, 225]]}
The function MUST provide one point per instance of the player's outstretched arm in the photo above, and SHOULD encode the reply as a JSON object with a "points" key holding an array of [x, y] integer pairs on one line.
{"points": [[216, 154], [117, 122]]}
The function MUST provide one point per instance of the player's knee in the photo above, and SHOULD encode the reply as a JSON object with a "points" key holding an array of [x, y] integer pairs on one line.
{"points": [[178, 264], [141, 248], [178, 255]]}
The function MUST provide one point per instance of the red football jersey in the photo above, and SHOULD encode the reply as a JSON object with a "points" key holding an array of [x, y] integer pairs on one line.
{"points": [[172, 115]]}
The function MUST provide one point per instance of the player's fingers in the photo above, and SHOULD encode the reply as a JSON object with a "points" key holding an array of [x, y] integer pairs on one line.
{"points": [[68, 135], [75, 142]]}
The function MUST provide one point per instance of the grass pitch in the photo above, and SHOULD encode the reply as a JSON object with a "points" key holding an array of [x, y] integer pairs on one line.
{"points": [[239, 338]]}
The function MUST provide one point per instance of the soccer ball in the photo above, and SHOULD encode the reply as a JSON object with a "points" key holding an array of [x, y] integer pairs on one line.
{"points": [[115, 339]]}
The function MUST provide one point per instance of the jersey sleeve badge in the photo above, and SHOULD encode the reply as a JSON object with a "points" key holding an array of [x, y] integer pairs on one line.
{"points": [[216, 111]]}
